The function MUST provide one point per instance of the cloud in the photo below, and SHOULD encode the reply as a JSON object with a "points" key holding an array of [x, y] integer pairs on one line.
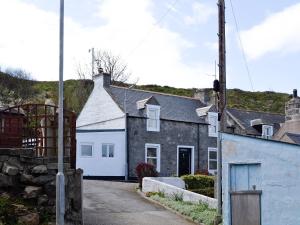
{"points": [[29, 40], [279, 32], [201, 14]]}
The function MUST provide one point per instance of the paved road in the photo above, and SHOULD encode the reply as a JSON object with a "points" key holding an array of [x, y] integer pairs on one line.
{"points": [[117, 203]]}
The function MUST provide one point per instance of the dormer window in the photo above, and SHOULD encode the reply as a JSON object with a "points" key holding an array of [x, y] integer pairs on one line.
{"points": [[267, 131], [213, 124], [153, 114]]}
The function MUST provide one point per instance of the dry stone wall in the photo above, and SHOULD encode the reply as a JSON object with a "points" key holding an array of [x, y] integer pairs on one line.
{"points": [[33, 180]]}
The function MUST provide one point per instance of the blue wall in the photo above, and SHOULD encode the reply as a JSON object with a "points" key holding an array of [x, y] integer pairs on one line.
{"points": [[278, 176]]}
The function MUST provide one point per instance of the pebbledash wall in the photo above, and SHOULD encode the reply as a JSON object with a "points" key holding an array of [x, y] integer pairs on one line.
{"points": [[172, 134], [278, 177], [34, 179]]}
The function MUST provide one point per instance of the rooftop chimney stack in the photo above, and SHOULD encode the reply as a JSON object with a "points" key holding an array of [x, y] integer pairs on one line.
{"points": [[295, 94]]}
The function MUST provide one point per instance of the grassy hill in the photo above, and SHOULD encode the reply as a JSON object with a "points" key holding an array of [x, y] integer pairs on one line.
{"points": [[77, 92]]}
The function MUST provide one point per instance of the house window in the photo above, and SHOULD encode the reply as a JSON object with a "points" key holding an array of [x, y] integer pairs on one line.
{"points": [[267, 131], [87, 150], [213, 124], [108, 150], [153, 113], [212, 160], [152, 155]]}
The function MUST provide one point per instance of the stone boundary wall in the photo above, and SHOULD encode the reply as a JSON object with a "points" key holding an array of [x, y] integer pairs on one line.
{"points": [[151, 184], [33, 179]]}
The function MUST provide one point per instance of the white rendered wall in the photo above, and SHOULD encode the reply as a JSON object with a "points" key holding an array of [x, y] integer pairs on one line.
{"points": [[100, 110], [280, 176], [97, 165]]}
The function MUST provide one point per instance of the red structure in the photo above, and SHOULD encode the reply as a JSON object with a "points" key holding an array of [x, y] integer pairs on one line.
{"points": [[35, 126], [11, 125]]}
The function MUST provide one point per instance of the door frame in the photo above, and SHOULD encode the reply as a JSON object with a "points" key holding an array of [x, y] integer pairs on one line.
{"points": [[192, 158]]}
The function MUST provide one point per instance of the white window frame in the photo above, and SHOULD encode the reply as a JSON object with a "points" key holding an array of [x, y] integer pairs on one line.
{"points": [[157, 108], [210, 149], [264, 130], [157, 146], [211, 133], [86, 143], [192, 159], [107, 150]]}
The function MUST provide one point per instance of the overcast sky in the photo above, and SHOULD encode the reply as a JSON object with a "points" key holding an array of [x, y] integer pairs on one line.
{"points": [[166, 42]]}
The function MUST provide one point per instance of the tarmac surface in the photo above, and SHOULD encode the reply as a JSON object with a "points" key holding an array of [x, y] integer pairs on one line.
{"points": [[118, 203]]}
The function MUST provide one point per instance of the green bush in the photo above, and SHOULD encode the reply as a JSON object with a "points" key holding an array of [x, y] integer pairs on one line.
{"points": [[201, 184], [200, 213], [198, 181], [210, 192]]}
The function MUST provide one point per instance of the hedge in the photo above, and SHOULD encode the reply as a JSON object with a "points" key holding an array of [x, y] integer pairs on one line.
{"points": [[198, 181], [200, 184]]}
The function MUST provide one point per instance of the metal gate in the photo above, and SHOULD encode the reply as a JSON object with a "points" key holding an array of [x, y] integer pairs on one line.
{"points": [[245, 208]]}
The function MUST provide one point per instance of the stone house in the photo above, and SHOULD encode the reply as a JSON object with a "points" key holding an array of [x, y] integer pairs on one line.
{"points": [[290, 129], [121, 127]]}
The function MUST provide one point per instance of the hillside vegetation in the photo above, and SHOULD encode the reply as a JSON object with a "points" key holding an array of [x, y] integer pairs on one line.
{"points": [[77, 92]]}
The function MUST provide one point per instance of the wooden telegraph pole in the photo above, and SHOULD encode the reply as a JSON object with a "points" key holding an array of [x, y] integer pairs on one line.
{"points": [[222, 64], [222, 100]]}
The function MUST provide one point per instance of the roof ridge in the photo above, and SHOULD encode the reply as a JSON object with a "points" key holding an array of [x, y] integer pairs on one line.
{"points": [[155, 92], [249, 110]]}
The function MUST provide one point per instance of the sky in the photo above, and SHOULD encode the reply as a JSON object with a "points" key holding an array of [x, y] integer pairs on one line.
{"points": [[165, 42]]}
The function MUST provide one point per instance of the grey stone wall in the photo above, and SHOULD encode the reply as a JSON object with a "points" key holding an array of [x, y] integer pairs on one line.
{"points": [[33, 181], [172, 134]]}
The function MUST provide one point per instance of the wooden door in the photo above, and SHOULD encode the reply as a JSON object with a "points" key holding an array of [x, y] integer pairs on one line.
{"points": [[245, 208]]}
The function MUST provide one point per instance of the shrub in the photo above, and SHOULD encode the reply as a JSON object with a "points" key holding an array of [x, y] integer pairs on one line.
{"points": [[178, 197], [210, 191], [201, 184], [145, 170]]}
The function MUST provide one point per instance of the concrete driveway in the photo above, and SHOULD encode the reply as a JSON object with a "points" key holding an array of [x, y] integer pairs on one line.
{"points": [[117, 203]]}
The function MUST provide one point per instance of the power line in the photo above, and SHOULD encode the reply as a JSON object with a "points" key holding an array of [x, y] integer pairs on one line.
{"points": [[242, 47], [153, 26]]}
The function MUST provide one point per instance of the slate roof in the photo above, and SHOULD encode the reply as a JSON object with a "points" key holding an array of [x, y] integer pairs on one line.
{"points": [[176, 108], [244, 117], [294, 137]]}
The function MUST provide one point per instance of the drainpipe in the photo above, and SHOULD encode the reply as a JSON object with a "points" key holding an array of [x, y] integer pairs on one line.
{"points": [[198, 143], [127, 148]]}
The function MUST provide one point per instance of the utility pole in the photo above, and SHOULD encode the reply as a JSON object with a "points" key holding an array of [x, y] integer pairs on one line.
{"points": [[92, 50], [222, 64], [60, 179], [222, 98]]}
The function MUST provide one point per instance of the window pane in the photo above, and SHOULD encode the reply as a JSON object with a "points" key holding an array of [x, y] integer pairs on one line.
{"points": [[104, 150], [111, 151], [86, 150], [153, 162], [152, 123], [153, 114], [212, 155], [151, 152], [212, 165]]}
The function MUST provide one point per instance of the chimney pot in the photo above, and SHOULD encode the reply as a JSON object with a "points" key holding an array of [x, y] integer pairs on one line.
{"points": [[295, 94]]}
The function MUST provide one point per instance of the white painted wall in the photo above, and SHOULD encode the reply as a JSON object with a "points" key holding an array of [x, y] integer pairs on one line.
{"points": [[280, 176], [100, 110], [96, 165], [151, 184]]}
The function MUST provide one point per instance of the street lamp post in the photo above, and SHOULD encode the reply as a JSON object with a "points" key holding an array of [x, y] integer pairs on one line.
{"points": [[60, 179]]}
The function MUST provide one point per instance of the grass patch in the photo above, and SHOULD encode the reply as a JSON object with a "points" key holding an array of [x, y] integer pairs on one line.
{"points": [[199, 213]]}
